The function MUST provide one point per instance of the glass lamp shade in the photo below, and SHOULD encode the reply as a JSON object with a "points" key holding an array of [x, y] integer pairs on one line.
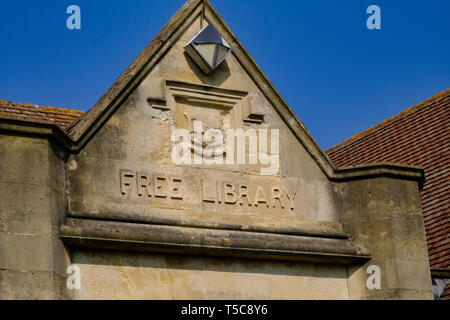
{"points": [[208, 49]]}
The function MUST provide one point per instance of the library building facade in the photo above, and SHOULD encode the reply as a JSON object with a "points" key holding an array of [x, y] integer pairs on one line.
{"points": [[191, 178]]}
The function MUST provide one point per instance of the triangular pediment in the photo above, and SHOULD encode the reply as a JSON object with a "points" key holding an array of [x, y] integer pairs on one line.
{"points": [[125, 167], [83, 129]]}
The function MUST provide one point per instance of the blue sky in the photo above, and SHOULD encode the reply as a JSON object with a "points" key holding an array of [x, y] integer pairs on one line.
{"points": [[338, 76]]}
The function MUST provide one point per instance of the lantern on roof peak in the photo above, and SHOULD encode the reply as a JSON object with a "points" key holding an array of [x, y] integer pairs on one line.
{"points": [[208, 49]]}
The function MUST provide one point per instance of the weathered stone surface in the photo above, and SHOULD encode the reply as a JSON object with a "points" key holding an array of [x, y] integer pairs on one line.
{"points": [[109, 182], [33, 259], [156, 276], [381, 215], [140, 237], [94, 174], [36, 285]]}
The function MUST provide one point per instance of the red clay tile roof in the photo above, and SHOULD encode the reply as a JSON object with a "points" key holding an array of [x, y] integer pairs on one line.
{"points": [[418, 136], [61, 117], [446, 294]]}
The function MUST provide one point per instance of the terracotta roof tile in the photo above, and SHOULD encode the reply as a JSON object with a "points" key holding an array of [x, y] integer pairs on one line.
{"points": [[420, 136], [61, 117], [446, 294]]}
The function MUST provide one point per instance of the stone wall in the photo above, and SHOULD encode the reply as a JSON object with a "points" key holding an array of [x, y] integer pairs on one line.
{"points": [[109, 198], [126, 275], [33, 260], [385, 216]]}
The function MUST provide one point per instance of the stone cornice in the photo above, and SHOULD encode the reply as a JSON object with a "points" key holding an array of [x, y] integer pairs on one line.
{"points": [[213, 242]]}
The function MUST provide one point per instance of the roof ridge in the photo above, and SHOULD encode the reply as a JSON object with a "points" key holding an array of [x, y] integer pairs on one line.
{"points": [[426, 102]]}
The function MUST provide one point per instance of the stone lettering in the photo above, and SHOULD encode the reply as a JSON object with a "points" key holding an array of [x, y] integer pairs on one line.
{"points": [[160, 186], [276, 195], [176, 189], [219, 194], [213, 191], [144, 185], [260, 197], [205, 195], [243, 193], [126, 178], [230, 192], [291, 197]]}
